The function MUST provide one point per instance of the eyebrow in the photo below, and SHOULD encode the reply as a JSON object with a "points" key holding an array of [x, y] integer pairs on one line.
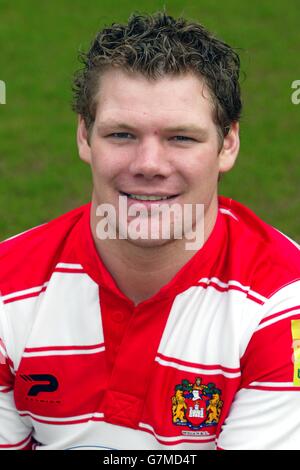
{"points": [[184, 128], [187, 128]]}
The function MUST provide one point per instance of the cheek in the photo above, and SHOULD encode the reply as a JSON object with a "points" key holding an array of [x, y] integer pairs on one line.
{"points": [[109, 160], [202, 168], [98, 169], [103, 164]]}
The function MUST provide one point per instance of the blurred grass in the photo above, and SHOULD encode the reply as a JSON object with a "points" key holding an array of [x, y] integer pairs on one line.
{"points": [[41, 174]]}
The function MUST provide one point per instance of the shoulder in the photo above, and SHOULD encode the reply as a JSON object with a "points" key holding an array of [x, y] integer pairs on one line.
{"points": [[268, 258], [26, 259]]}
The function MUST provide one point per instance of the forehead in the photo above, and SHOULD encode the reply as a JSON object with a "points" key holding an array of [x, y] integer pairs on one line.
{"points": [[171, 99]]}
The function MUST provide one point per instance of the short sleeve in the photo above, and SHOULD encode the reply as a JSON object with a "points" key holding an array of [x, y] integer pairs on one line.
{"points": [[14, 434]]}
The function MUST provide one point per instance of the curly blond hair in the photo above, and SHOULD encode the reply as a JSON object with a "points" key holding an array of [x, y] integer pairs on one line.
{"points": [[156, 45]]}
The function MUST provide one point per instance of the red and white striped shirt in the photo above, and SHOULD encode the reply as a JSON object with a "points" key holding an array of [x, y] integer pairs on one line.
{"points": [[209, 361]]}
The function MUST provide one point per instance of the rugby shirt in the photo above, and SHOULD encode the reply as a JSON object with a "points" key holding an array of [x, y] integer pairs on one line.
{"points": [[210, 361]]}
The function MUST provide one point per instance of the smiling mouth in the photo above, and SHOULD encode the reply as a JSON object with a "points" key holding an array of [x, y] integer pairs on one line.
{"points": [[145, 197]]}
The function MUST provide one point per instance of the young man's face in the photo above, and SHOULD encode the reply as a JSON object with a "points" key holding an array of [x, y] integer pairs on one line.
{"points": [[155, 138]]}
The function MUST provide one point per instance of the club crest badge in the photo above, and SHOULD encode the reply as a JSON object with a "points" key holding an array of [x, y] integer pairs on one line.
{"points": [[196, 405]]}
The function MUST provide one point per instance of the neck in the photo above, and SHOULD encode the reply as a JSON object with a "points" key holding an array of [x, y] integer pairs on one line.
{"points": [[141, 271]]}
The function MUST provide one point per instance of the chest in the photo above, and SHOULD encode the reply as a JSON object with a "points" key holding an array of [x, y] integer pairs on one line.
{"points": [[166, 365]]}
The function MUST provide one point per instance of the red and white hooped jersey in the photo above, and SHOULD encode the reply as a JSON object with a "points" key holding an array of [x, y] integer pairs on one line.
{"points": [[211, 360]]}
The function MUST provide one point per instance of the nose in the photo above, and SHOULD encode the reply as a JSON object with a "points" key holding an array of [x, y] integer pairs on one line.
{"points": [[150, 160]]}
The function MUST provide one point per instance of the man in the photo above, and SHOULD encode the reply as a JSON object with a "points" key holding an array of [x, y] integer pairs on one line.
{"points": [[104, 330]]}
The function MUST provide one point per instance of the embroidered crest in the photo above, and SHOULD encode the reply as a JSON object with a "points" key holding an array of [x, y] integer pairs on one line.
{"points": [[196, 405]]}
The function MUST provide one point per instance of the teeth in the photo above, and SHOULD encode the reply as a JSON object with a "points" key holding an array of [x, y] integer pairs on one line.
{"points": [[148, 198]]}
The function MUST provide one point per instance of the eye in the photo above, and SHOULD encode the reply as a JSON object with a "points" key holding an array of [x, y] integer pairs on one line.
{"points": [[183, 138], [121, 135]]}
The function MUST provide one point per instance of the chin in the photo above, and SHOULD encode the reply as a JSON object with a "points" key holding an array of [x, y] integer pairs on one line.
{"points": [[148, 243]]}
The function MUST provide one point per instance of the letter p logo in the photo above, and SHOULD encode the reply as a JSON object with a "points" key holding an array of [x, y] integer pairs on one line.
{"points": [[50, 383]]}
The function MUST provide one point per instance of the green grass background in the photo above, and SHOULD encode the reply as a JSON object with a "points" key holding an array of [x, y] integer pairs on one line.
{"points": [[41, 174]]}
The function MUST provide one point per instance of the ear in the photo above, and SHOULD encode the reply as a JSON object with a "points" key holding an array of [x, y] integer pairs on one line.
{"points": [[84, 148], [230, 149]]}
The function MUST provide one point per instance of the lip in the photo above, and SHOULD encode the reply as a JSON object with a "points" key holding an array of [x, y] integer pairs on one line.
{"points": [[146, 193], [149, 203]]}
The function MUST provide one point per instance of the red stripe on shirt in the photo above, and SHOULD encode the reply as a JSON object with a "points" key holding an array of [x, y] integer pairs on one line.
{"points": [[227, 288], [277, 314], [181, 441], [64, 348], [62, 423], [276, 389], [8, 446], [25, 296], [69, 270], [199, 366]]}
